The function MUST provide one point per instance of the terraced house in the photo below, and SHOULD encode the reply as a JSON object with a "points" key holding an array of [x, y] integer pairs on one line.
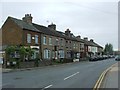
{"points": [[47, 42]]}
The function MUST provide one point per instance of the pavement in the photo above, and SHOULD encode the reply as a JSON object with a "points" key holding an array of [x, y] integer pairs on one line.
{"points": [[111, 78], [7, 70]]}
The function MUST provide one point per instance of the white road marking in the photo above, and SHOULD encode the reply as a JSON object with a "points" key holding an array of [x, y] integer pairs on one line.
{"points": [[47, 87], [71, 76]]}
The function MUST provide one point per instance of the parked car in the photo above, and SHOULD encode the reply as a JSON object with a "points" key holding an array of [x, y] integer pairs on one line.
{"points": [[93, 58], [117, 58]]}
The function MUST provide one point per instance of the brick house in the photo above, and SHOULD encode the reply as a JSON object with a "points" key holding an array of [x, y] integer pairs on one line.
{"points": [[92, 48], [21, 32], [52, 43], [47, 42]]}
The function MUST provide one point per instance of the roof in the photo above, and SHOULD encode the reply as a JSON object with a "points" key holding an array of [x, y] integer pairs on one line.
{"points": [[45, 30], [90, 43], [70, 38], [24, 25]]}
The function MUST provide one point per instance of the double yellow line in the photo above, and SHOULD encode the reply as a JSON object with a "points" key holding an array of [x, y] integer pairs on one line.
{"points": [[100, 80]]}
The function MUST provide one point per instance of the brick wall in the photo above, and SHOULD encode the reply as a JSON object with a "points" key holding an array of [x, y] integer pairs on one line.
{"points": [[11, 33]]}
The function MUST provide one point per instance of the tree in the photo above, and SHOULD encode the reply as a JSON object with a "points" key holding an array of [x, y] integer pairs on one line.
{"points": [[108, 49], [22, 52], [9, 51], [29, 52]]}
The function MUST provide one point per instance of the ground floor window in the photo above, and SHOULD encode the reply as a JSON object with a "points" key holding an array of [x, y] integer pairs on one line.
{"points": [[78, 55], [35, 54], [68, 54], [53, 54], [61, 53], [47, 54]]}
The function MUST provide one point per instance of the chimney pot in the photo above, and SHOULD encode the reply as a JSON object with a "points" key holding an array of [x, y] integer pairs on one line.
{"points": [[52, 26], [91, 40], [28, 18], [86, 38]]}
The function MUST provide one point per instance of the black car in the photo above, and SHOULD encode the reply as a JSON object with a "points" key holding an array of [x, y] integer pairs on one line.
{"points": [[93, 58]]}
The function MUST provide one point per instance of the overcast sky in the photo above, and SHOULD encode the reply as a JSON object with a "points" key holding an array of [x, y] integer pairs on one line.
{"points": [[95, 19]]}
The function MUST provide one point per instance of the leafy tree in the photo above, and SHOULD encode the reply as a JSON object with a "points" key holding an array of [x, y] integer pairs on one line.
{"points": [[29, 52], [108, 49], [10, 50], [22, 52]]}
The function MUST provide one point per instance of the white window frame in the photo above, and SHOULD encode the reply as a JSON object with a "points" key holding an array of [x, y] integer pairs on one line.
{"points": [[50, 41], [74, 45], [57, 41], [47, 54], [28, 38], [44, 40], [36, 39], [61, 53]]}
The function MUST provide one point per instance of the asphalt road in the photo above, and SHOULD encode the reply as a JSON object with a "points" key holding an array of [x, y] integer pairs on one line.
{"points": [[72, 75]]}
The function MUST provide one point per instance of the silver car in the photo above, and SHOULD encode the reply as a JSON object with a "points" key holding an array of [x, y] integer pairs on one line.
{"points": [[117, 58]]}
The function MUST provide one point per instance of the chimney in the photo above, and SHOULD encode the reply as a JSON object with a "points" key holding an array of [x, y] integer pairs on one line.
{"points": [[86, 38], [28, 18], [52, 26], [78, 37], [91, 40], [67, 32]]}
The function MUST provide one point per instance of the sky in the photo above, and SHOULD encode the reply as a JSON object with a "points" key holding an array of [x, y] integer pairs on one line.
{"points": [[95, 19]]}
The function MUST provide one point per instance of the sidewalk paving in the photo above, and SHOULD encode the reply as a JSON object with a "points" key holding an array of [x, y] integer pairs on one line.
{"points": [[7, 70], [111, 78]]}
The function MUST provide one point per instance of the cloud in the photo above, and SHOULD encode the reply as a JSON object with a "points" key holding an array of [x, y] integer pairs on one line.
{"points": [[97, 20]]}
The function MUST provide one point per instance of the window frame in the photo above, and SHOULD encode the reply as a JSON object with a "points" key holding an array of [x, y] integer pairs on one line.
{"points": [[36, 39], [50, 40], [44, 40], [29, 38]]}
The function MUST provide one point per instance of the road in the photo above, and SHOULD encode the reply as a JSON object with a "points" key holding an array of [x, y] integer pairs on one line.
{"points": [[72, 75]]}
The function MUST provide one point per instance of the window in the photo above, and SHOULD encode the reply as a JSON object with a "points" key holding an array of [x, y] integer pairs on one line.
{"points": [[57, 42], [74, 45], [68, 54], [81, 46], [61, 42], [61, 54], [28, 38], [44, 40], [50, 41], [36, 39], [53, 54], [47, 54]]}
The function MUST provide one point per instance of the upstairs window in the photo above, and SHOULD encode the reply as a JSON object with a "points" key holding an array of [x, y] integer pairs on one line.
{"points": [[57, 42], [50, 41], [36, 39], [44, 40], [74, 45], [28, 38], [61, 42]]}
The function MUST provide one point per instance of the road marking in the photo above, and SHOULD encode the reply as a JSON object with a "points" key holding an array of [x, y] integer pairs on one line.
{"points": [[71, 76], [47, 87], [102, 76]]}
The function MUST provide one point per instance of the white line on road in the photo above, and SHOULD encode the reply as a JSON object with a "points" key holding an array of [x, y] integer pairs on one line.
{"points": [[47, 87], [71, 75]]}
